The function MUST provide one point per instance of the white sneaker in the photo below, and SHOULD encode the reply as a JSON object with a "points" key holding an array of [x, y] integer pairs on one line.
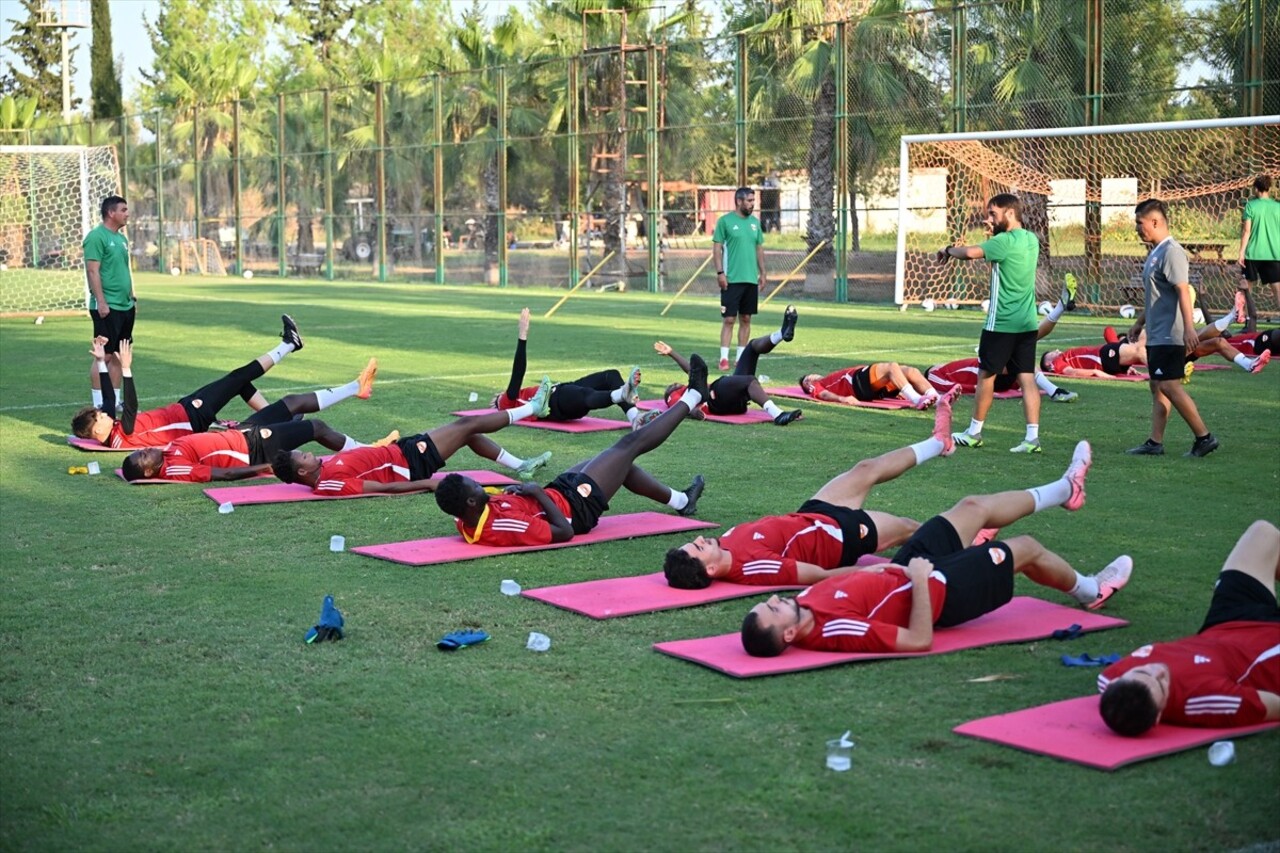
{"points": [[1111, 579]]}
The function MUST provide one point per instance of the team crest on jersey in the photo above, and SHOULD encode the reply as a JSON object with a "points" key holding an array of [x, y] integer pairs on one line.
{"points": [[1143, 652], [197, 403], [757, 536], [996, 554], [264, 433], [422, 447], [584, 489], [840, 593], [1202, 659], [862, 531]]}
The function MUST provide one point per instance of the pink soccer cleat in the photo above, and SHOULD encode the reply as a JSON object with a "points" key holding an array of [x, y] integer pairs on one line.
{"points": [[942, 421], [1261, 361], [1111, 580], [1081, 459]]}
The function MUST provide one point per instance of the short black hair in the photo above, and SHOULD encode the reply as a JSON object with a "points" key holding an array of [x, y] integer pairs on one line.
{"points": [[803, 377], [1128, 708], [1045, 367], [110, 203], [741, 191], [669, 391], [283, 466], [760, 642], [1262, 183], [82, 421], [685, 571], [132, 468], [1152, 204], [1007, 201], [451, 495]]}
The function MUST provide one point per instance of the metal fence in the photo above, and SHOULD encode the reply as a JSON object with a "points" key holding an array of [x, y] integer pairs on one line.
{"points": [[616, 162]]}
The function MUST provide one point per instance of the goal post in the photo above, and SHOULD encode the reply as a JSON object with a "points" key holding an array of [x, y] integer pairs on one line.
{"points": [[1079, 186], [49, 200]]}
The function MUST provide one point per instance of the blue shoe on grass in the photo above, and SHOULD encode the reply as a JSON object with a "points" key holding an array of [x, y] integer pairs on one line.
{"points": [[330, 625]]}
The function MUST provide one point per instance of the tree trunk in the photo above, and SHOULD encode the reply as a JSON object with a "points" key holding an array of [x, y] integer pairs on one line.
{"points": [[819, 273]]}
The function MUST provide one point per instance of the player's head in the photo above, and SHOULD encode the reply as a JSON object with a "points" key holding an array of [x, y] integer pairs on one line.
{"points": [[1047, 360], [1003, 211], [1151, 220], [142, 464], [672, 393], [744, 199], [461, 497], [1132, 703], [806, 382], [1262, 183], [92, 422], [770, 627], [696, 564], [296, 466], [114, 206]]}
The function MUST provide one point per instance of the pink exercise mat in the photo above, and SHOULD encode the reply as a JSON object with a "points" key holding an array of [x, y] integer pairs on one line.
{"points": [[587, 424], [88, 445], [1073, 731], [158, 481], [449, 549], [1019, 621], [753, 415], [277, 493], [797, 393]]}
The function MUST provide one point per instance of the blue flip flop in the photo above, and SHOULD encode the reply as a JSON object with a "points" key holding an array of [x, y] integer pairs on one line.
{"points": [[1089, 660], [1068, 633], [330, 625], [460, 640]]}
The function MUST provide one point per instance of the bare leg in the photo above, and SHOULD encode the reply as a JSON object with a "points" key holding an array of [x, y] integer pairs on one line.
{"points": [[851, 488], [917, 380], [1159, 413], [1041, 565], [644, 484], [744, 330], [1257, 553], [327, 436], [726, 331], [611, 467], [985, 393], [1181, 400], [756, 393], [974, 513], [1030, 397], [453, 435]]}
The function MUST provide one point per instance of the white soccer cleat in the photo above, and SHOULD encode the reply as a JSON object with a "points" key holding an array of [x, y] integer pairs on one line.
{"points": [[1111, 580], [1081, 459]]}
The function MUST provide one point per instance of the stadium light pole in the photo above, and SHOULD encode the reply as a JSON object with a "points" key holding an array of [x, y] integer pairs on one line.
{"points": [[58, 19]]}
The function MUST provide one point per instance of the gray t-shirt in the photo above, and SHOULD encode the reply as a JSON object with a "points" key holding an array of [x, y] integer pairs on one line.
{"points": [[1165, 268]]}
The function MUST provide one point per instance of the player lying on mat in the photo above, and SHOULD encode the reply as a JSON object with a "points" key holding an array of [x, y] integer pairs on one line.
{"points": [[867, 383], [823, 538], [730, 395], [573, 503], [195, 412], [571, 400], [409, 464], [934, 579], [1127, 352], [1227, 674]]}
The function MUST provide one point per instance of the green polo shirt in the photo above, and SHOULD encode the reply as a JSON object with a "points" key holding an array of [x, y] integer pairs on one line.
{"points": [[111, 250], [1013, 256], [739, 235], [1264, 230]]}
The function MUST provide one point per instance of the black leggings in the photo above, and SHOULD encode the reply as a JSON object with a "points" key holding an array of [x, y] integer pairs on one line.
{"points": [[569, 400], [204, 403]]}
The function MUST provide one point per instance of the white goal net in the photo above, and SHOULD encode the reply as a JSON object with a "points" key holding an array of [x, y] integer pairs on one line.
{"points": [[1079, 187], [49, 199]]}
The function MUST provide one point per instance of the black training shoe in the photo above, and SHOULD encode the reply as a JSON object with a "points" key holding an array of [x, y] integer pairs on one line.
{"points": [[693, 493], [1204, 445], [698, 376], [789, 318], [1148, 448], [787, 417], [290, 334]]}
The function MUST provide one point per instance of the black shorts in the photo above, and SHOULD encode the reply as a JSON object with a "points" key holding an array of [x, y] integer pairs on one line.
{"points": [[586, 501], [1014, 351], [728, 395], [862, 389], [275, 413], [739, 299], [1005, 382], [1240, 597], [1165, 363], [117, 326], [423, 457], [979, 578], [1109, 354], [1268, 272], [265, 440], [860, 535]]}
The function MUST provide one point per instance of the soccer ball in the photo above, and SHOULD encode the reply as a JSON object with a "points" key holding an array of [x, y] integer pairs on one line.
{"points": [[903, 308], [248, 273], [1128, 312], [175, 271], [1045, 308], [1198, 316], [928, 305], [986, 305], [952, 305]]}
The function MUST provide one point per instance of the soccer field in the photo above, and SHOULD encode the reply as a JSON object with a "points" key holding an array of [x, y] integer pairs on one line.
{"points": [[157, 693]]}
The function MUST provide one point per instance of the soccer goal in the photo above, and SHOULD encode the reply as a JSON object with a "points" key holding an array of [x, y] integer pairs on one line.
{"points": [[49, 199], [200, 257], [1078, 187]]}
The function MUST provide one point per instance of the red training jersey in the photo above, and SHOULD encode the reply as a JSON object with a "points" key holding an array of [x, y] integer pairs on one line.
{"points": [[765, 552], [862, 611], [152, 428], [839, 383], [677, 393], [345, 473], [1214, 676], [1245, 343], [526, 394], [513, 520], [1078, 358], [192, 458], [962, 373]]}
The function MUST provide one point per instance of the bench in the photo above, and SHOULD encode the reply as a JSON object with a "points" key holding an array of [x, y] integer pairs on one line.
{"points": [[306, 262]]}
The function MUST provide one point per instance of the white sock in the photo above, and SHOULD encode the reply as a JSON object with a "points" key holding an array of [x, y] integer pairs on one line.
{"points": [[326, 397], [691, 398], [738, 356], [632, 414], [119, 400], [1033, 432], [280, 352], [975, 426], [351, 443], [1043, 383], [678, 500], [1244, 361], [1223, 323], [96, 395], [1085, 590], [772, 408], [618, 393], [519, 413], [1056, 314], [926, 450], [913, 396], [506, 460], [724, 353], [775, 338], [1051, 494]]}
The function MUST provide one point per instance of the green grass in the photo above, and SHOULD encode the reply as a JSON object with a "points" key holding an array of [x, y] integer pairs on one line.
{"points": [[157, 693]]}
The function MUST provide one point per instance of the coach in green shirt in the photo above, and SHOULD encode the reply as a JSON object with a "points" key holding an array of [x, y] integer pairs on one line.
{"points": [[1009, 335], [737, 249], [111, 304], [1260, 247]]}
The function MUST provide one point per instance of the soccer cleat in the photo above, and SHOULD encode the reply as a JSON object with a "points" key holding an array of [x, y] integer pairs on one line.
{"points": [[1147, 448], [390, 438], [1110, 335], [789, 318], [693, 493], [1242, 308], [290, 334], [1187, 371], [645, 418], [1081, 459], [1062, 395], [633, 382], [1070, 284], [698, 376], [724, 364], [942, 421], [526, 469], [541, 399], [925, 401], [985, 535], [1026, 447], [963, 439], [330, 625], [1203, 446], [787, 417], [366, 379], [1260, 362], [1111, 580]]}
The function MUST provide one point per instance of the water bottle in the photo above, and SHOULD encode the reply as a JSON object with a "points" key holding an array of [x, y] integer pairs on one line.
{"points": [[78, 469], [509, 587], [538, 642]]}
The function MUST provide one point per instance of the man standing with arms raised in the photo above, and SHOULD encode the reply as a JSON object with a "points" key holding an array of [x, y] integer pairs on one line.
{"points": [[737, 250], [111, 304], [1009, 334]]}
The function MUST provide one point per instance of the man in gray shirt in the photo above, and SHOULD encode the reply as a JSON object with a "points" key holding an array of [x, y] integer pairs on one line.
{"points": [[1171, 331]]}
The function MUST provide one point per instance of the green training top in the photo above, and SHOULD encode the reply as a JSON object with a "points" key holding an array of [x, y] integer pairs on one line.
{"points": [[739, 235], [111, 250], [1264, 233], [1013, 256]]}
